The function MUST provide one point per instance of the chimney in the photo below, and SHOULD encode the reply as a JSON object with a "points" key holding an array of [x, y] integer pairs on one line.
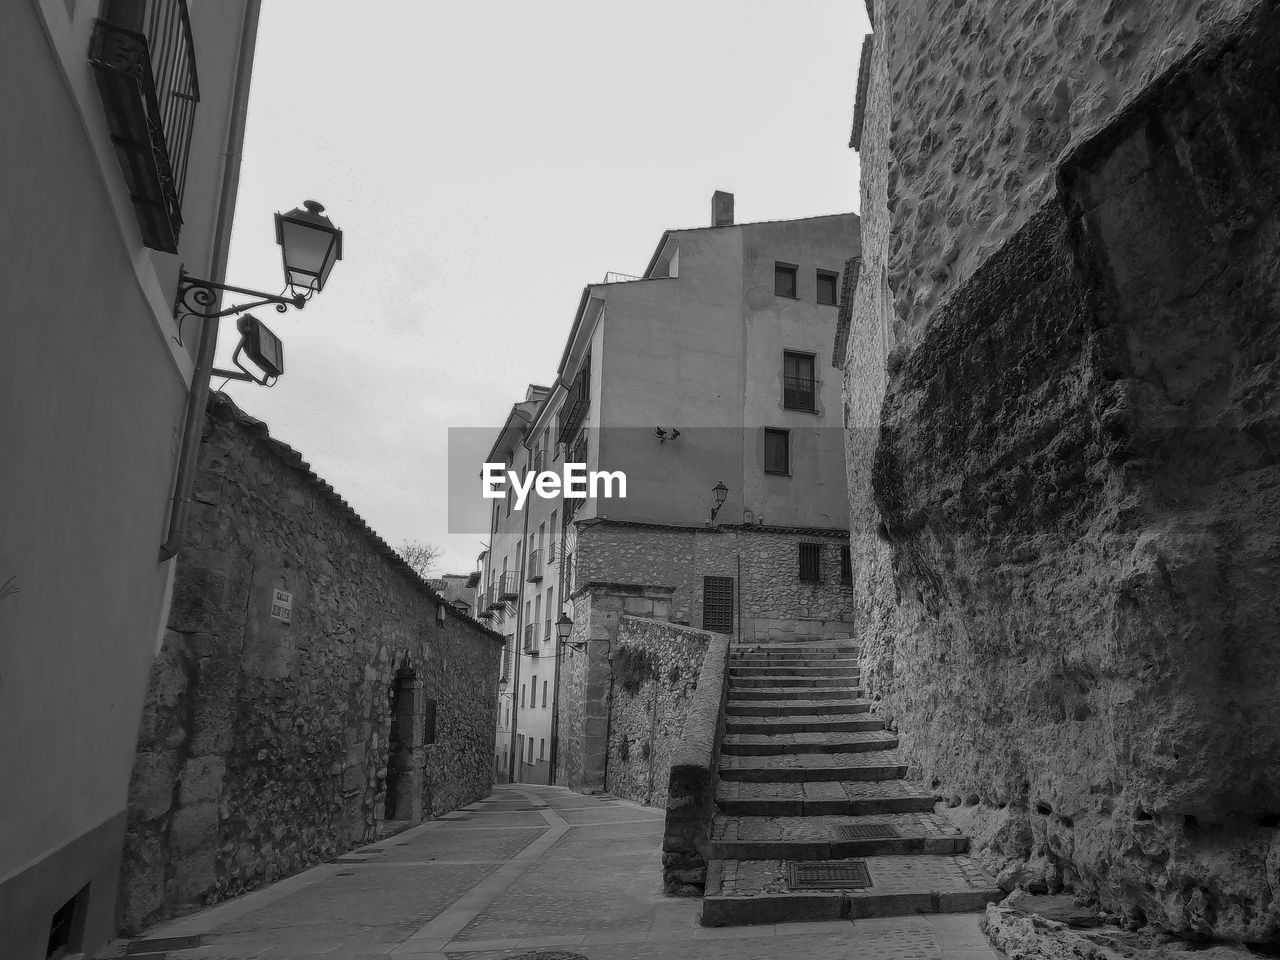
{"points": [[721, 209]]}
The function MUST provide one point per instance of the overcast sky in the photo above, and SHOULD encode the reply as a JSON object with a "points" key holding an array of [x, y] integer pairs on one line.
{"points": [[485, 161]]}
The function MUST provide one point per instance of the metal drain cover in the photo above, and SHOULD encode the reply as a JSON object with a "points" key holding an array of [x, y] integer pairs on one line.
{"points": [[143, 947], [868, 831], [829, 874]]}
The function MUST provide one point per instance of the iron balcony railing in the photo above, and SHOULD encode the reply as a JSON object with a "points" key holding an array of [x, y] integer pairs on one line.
{"points": [[534, 565], [574, 409], [799, 393], [509, 586], [144, 58], [614, 277]]}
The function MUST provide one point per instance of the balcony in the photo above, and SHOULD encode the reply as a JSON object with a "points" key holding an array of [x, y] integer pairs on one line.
{"points": [[534, 565], [574, 409], [530, 640], [509, 586], [491, 597], [144, 60], [799, 393]]}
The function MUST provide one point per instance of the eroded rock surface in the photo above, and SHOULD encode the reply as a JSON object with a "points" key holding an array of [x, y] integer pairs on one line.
{"points": [[1078, 474]]}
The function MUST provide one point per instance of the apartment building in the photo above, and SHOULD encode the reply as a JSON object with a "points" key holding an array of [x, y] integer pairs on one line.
{"points": [[699, 381], [121, 167]]}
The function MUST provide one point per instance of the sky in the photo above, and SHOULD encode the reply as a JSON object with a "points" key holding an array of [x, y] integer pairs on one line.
{"points": [[485, 161]]}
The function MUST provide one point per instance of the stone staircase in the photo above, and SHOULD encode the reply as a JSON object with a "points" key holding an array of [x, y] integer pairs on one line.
{"points": [[808, 779]]}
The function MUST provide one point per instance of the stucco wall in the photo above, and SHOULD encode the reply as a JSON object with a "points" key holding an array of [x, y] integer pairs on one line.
{"points": [[764, 563], [656, 666], [264, 744]]}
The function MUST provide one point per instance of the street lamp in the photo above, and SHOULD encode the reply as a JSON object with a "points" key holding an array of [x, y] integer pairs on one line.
{"points": [[720, 492], [309, 246], [564, 628]]}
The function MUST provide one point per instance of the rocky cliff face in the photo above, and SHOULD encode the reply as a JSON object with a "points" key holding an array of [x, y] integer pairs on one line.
{"points": [[1078, 474]]}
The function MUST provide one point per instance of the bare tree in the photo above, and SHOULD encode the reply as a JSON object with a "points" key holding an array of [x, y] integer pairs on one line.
{"points": [[420, 556]]}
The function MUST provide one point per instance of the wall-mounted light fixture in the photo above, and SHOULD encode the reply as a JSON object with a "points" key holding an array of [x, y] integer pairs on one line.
{"points": [[721, 493], [309, 247]]}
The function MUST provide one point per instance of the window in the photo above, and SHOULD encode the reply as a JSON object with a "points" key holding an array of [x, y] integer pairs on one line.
{"points": [[531, 749], [784, 279], [544, 693], [506, 655], [846, 566], [827, 285], [717, 604], [542, 749], [522, 694], [777, 456], [799, 390], [811, 562]]}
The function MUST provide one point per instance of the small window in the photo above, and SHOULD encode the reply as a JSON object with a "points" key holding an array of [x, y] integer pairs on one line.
{"points": [[542, 749], [827, 286], [717, 604], [846, 566], [544, 693], [784, 280], [811, 562], [531, 749], [533, 691], [777, 456], [799, 389], [522, 688]]}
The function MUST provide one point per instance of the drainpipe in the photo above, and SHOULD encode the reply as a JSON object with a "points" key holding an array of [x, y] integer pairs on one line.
{"points": [[198, 396], [515, 680], [562, 580]]}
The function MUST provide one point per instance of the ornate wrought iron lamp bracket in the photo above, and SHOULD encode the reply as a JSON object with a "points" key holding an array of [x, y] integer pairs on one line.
{"points": [[195, 296]]}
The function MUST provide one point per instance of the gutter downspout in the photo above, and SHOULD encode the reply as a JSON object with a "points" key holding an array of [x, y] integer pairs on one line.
{"points": [[562, 581], [198, 396], [515, 680]]}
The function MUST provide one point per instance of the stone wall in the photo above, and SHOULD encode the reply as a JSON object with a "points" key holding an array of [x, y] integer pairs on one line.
{"points": [[1076, 467], [987, 98], [655, 674], [873, 333], [773, 602], [265, 745], [586, 676]]}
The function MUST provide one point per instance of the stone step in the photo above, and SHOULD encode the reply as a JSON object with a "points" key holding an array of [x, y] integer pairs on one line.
{"points": [[775, 744], [787, 693], [758, 891], [791, 683], [833, 838], [851, 798], [836, 669], [795, 707], [815, 657], [801, 724], [813, 767]]}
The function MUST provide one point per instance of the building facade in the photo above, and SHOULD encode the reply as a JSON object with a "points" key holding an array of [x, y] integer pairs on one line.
{"points": [[699, 377], [121, 168]]}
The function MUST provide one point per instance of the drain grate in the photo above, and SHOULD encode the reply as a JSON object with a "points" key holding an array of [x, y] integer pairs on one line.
{"points": [[548, 955], [829, 874], [143, 947], [869, 831]]}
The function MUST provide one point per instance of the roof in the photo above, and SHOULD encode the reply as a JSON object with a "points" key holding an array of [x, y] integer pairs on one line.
{"points": [[666, 234], [844, 318], [222, 407]]}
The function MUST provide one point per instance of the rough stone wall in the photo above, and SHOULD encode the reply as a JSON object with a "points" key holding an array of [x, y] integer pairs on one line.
{"points": [[987, 98], [1078, 472], [763, 562], [655, 672], [264, 745], [873, 334], [586, 676]]}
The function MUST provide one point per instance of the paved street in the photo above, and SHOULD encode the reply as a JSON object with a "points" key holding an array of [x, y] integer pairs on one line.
{"points": [[532, 871]]}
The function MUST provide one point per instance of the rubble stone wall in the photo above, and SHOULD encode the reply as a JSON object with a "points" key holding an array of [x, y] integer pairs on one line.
{"points": [[1078, 469], [773, 601], [655, 674], [265, 745]]}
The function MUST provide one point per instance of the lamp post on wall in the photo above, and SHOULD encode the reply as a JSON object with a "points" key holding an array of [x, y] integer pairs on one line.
{"points": [[720, 492], [309, 247]]}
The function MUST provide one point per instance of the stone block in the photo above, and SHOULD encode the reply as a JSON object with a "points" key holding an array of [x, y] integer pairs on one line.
{"points": [[201, 779]]}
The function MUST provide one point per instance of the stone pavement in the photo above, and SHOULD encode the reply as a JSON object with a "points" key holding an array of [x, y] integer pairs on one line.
{"points": [[532, 872]]}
